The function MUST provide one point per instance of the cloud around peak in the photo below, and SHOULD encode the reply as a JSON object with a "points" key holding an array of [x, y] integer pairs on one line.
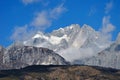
{"points": [[55, 12], [45, 18], [41, 21], [107, 26]]}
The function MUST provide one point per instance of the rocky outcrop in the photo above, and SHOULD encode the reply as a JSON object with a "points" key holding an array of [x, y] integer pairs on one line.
{"points": [[2, 50], [17, 56]]}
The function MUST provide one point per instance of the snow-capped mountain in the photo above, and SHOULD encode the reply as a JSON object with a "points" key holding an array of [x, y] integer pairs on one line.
{"points": [[110, 57], [17, 56], [56, 40], [72, 36], [75, 44]]}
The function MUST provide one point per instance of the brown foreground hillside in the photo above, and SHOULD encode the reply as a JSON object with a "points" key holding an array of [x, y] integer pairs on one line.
{"points": [[61, 73]]}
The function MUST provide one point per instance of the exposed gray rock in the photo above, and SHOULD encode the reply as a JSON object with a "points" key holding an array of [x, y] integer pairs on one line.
{"points": [[17, 56], [2, 50]]}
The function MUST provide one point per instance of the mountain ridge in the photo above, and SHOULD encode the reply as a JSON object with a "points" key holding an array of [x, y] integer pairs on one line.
{"points": [[75, 44], [72, 35], [17, 56]]}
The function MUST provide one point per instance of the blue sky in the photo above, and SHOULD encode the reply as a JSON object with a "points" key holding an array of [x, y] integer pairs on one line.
{"points": [[21, 18]]}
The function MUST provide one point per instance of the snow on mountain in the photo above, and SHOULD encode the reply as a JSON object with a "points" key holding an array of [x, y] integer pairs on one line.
{"points": [[17, 56], [118, 39], [73, 37], [56, 40], [110, 57], [76, 44]]}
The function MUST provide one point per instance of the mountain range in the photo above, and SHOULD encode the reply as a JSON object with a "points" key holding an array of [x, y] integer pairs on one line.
{"points": [[73, 44], [70, 36]]}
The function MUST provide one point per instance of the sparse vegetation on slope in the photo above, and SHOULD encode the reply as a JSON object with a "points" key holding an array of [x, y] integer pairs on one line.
{"points": [[61, 73]]}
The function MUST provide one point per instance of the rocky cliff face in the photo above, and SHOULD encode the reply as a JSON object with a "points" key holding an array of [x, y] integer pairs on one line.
{"points": [[1, 54], [18, 56], [2, 50]]}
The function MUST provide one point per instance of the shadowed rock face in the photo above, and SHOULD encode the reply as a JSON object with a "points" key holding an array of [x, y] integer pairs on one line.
{"points": [[1, 54], [18, 56], [2, 50]]}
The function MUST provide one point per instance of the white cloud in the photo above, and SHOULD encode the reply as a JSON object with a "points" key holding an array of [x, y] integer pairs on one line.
{"points": [[71, 54], [41, 20], [54, 13], [21, 33], [107, 27], [42, 2], [44, 19], [108, 7], [29, 1]]}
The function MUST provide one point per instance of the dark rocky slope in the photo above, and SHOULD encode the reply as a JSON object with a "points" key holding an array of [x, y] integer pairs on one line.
{"points": [[61, 73]]}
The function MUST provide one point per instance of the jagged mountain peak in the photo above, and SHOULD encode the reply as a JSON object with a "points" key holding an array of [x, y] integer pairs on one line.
{"points": [[60, 32], [72, 35], [73, 26], [86, 27], [67, 30], [38, 35], [61, 41]]}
